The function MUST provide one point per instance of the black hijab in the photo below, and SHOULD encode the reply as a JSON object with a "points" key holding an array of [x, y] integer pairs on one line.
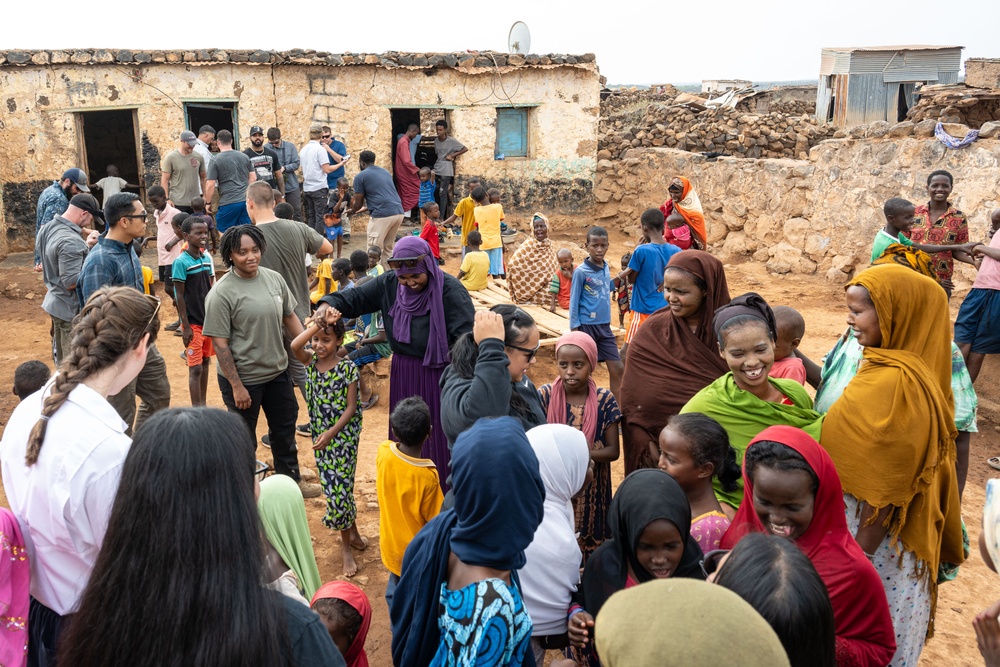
{"points": [[750, 304]]}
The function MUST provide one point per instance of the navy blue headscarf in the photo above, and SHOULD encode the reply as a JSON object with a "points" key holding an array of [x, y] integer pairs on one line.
{"points": [[499, 499]]}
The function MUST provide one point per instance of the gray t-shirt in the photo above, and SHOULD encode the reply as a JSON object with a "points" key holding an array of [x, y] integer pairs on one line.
{"points": [[287, 244], [185, 176], [444, 167], [249, 313], [375, 183], [232, 171]]}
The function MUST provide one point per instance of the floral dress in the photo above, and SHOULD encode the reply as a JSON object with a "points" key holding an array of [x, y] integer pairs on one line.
{"points": [[591, 506], [326, 395]]}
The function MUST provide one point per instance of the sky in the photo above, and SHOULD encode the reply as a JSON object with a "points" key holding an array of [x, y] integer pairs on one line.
{"points": [[636, 42]]}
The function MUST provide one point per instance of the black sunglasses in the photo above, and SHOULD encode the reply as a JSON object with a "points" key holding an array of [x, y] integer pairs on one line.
{"points": [[405, 262], [710, 563], [531, 353]]}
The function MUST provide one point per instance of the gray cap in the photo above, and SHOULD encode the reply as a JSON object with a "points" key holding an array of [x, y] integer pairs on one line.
{"points": [[189, 137]]}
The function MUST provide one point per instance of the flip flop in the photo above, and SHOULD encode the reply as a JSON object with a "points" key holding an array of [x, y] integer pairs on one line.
{"points": [[374, 399], [994, 462]]}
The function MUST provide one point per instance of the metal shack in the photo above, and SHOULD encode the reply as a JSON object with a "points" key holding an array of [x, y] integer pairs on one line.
{"points": [[864, 84]]}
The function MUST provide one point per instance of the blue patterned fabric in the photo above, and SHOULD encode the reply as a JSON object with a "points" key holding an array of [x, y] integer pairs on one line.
{"points": [[51, 202], [482, 625]]}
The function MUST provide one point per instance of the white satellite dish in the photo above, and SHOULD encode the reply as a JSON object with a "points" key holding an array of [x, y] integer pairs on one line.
{"points": [[519, 39]]}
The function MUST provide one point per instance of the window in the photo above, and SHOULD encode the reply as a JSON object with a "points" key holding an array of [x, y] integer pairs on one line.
{"points": [[512, 131]]}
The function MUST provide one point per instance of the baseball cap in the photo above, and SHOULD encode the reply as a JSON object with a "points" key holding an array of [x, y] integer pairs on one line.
{"points": [[78, 176], [89, 204], [256, 129], [189, 137]]}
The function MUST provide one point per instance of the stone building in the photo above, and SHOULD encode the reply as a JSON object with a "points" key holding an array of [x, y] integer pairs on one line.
{"points": [[719, 86], [982, 72], [89, 108]]}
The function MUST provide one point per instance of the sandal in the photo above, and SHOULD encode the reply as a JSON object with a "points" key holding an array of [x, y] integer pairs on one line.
{"points": [[373, 399], [994, 462]]}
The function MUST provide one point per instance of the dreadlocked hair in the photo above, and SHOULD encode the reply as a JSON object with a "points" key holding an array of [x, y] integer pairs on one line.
{"points": [[232, 239], [112, 322]]}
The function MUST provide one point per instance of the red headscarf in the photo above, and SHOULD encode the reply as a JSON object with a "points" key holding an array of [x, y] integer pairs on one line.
{"points": [[557, 399], [863, 625], [354, 596], [689, 207]]}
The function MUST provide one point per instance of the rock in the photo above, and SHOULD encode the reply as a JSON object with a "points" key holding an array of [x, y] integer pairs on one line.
{"points": [[18, 57], [761, 255], [878, 129], [143, 57], [604, 154], [260, 56], [58, 57], [903, 129], [605, 165], [80, 57], [735, 245], [956, 130], [602, 196], [515, 59], [837, 277], [795, 230], [858, 132], [174, 57], [40, 58], [924, 129], [784, 257], [990, 130]]}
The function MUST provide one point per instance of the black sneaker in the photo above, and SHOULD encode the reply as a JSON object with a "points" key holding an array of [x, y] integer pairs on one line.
{"points": [[304, 430], [173, 326], [266, 440]]}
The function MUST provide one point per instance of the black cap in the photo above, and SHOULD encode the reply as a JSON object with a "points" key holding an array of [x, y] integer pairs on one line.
{"points": [[87, 203], [256, 129]]}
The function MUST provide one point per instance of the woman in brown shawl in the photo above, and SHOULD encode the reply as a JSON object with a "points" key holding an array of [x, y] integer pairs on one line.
{"points": [[674, 355]]}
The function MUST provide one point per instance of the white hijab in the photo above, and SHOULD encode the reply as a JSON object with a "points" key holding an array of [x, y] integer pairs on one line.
{"points": [[552, 570]]}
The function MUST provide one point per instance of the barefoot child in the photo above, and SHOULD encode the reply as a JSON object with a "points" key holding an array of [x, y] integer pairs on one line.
{"points": [[431, 212], [335, 421], [576, 400], [409, 491], [562, 280], [347, 614], [791, 329], [193, 274], [465, 211], [475, 270], [694, 450]]}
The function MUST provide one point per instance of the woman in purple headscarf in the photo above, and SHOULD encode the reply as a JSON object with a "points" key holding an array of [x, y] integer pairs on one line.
{"points": [[424, 311]]}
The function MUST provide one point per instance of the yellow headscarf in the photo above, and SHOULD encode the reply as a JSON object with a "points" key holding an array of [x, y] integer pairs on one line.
{"points": [[892, 432]]}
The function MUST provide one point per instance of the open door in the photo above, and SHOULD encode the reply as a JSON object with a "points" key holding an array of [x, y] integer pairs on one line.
{"points": [[106, 138], [220, 115]]}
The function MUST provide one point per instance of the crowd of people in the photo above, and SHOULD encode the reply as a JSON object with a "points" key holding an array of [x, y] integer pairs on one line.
{"points": [[813, 532]]}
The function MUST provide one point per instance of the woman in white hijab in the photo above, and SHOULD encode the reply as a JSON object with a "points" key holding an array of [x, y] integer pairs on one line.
{"points": [[552, 571]]}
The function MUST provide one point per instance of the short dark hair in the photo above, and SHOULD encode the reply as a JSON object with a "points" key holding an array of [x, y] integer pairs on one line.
{"points": [[375, 249], [284, 211], [411, 421], [343, 265], [709, 444], [413, 126], [777, 456], [479, 193], [941, 172], [599, 232], [224, 137], [206, 128], [786, 317], [426, 208], [473, 179], [118, 206], [441, 123], [231, 240], [366, 157], [359, 262], [778, 580], [475, 238], [652, 218], [343, 181], [190, 221], [179, 219], [29, 377], [273, 133], [156, 191], [895, 206], [341, 614]]}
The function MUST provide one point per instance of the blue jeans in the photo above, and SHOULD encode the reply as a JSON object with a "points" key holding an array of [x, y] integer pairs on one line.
{"points": [[390, 588]]}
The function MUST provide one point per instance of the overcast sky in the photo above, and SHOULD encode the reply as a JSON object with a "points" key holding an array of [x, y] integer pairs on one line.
{"points": [[635, 41]]}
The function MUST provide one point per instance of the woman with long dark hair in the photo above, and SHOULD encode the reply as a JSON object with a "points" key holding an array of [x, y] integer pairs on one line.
{"points": [[180, 578]]}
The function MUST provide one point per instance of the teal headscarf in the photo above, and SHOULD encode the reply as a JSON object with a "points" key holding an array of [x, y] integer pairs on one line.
{"points": [[283, 513]]}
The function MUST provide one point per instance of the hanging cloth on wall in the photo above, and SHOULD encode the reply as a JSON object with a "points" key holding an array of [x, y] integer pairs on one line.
{"points": [[952, 142]]}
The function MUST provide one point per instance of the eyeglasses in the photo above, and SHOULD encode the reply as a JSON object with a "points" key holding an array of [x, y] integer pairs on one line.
{"points": [[327, 136], [710, 563], [138, 216], [156, 308], [261, 471], [531, 353], [406, 262]]}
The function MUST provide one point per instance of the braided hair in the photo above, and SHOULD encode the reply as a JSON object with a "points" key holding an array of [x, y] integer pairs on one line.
{"points": [[232, 239], [112, 322]]}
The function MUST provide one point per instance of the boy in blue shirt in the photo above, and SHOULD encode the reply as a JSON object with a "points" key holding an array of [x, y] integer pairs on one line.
{"points": [[590, 304], [428, 188], [645, 270]]}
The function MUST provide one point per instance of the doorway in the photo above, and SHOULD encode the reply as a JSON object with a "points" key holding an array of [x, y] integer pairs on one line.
{"points": [[426, 119], [110, 138], [220, 115]]}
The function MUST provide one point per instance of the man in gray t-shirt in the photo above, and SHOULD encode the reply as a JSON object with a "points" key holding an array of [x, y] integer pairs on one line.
{"points": [[231, 172], [182, 174], [447, 149]]}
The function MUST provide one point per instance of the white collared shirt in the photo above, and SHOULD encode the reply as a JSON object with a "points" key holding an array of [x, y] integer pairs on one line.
{"points": [[202, 148], [63, 501], [312, 157]]}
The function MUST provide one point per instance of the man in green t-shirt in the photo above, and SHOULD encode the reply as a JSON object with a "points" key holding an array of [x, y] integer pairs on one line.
{"points": [[183, 173]]}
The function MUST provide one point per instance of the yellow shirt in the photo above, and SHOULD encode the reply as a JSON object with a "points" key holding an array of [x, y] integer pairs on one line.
{"points": [[476, 266], [409, 495], [466, 211], [488, 218], [326, 284], [147, 280]]}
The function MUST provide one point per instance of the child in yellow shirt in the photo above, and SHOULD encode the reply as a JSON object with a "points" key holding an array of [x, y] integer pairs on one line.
{"points": [[488, 217], [475, 270]]}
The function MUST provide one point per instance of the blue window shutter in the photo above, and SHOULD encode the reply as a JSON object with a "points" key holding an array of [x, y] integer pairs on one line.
{"points": [[512, 132]]}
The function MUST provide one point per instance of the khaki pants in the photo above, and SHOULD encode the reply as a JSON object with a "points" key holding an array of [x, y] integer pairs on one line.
{"points": [[151, 385], [382, 233], [61, 338]]}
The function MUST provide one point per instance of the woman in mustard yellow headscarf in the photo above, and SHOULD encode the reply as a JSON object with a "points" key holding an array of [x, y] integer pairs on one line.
{"points": [[891, 435]]}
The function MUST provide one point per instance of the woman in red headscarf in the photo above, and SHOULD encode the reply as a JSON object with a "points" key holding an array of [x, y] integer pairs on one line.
{"points": [[684, 199], [347, 615], [792, 490]]}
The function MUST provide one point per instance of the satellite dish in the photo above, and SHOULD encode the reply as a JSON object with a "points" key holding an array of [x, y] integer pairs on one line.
{"points": [[519, 40]]}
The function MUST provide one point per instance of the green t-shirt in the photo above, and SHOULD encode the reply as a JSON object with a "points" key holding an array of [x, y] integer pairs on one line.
{"points": [[883, 240], [287, 244], [249, 313], [184, 173]]}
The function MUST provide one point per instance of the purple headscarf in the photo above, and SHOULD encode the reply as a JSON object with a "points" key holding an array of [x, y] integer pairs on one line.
{"points": [[430, 301]]}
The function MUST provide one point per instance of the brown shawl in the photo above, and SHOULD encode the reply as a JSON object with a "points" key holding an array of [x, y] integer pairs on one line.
{"points": [[668, 364]]}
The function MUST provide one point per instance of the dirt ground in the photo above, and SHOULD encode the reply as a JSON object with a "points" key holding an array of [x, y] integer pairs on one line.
{"points": [[819, 302]]}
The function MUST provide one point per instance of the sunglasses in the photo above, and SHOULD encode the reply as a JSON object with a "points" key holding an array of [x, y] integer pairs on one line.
{"points": [[156, 308], [260, 472], [405, 262], [710, 563], [327, 136], [530, 352]]}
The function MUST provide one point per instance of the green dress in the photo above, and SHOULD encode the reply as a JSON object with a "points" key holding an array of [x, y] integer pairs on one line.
{"points": [[326, 394]]}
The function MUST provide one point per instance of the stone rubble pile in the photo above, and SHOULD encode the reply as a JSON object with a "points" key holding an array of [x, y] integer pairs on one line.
{"points": [[957, 104]]}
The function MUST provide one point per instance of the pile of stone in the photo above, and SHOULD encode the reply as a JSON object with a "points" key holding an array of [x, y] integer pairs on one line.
{"points": [[924, 129], [628, 105], [957, 103], [728, 131]]}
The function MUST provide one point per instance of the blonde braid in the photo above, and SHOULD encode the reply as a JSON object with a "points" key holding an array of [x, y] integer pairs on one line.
{"points": [[111, 323]]}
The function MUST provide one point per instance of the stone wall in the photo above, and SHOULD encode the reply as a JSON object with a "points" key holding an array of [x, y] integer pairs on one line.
{"points": [[802, 216], [40, 104], [982, 72]]}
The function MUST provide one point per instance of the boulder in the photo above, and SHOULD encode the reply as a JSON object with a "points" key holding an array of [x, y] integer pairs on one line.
{"points": [[900, 130], [924, 129], [990, 130], [795, 231], [956, 130], [878, 129]]}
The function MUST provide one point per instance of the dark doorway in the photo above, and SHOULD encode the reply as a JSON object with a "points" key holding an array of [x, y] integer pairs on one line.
{"points": [[904, 98], [220, 115], [425, 118], [109, 137]]}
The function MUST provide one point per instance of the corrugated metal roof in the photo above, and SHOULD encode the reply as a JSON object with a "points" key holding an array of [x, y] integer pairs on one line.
{"points": [[914, 74], [903, 47]]}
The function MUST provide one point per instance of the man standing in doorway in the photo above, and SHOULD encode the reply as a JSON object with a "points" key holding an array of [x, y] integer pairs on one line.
{"points": [[407, 174], [182, 175], [206, 135], [315, 166], [265, 161], [447, 149], [113, 263], [54, 201], [288, 155], [231, 172], [337, 152], [63, 250], [373, 185]]}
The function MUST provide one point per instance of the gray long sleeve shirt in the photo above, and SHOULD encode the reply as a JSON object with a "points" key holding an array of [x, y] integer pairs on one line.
{"points": [[62, 251], [289, 157]]}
